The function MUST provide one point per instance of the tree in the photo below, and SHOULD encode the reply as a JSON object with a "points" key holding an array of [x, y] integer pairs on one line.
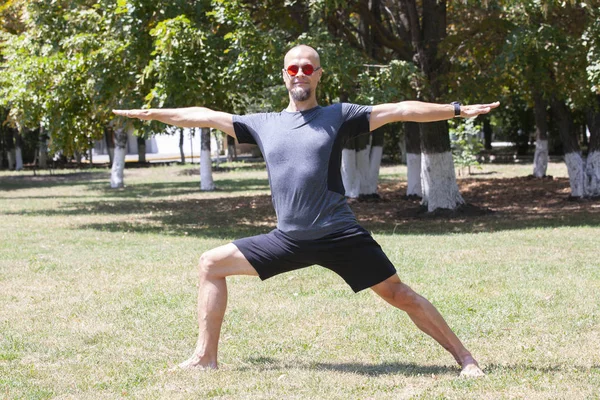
{"points": [[382, 84], [427, 30], [591, 38], [183, 66]]}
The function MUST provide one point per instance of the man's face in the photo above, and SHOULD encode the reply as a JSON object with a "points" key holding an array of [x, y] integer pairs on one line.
{"points": [[301, 86]]}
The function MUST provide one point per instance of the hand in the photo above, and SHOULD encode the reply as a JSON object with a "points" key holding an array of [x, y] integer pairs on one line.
{"points": [[474, 110], [140, 114]]}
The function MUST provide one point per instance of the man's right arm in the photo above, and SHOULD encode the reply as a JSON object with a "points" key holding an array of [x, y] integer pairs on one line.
{"points": [[191, 117]]}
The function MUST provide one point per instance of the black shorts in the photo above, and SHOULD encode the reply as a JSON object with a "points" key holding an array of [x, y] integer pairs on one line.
{"points": [[353, 254]]}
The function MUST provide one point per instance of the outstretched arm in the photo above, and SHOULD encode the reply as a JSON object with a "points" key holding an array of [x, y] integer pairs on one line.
{"points": [[192, 117], [418, 111]]}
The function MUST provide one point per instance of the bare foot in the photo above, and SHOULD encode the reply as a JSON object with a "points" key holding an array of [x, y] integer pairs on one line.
{"points": [[470, 369], [195, 362]]}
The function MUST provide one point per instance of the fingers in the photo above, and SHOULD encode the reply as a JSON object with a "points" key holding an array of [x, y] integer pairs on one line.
{"points": [[131, 113], [474, 110]]}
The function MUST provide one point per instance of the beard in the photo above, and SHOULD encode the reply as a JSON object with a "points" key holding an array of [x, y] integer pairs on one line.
{"points": [[300, 94]]}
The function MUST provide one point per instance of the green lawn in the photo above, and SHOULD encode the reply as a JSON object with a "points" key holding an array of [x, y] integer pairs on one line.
{"points": [[98, 291]]}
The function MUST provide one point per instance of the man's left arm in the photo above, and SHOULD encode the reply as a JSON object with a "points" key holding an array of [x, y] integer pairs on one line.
{"points": [[418, 111]]}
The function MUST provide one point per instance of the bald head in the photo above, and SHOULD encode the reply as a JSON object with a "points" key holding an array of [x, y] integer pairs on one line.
{"points": [[302, 51], [301, 86]]}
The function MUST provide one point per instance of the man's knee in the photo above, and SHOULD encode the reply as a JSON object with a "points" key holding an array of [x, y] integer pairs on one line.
{"points": [[208, 264], [402, 296]]}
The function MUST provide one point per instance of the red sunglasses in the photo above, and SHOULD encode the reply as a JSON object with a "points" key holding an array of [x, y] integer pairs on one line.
{"points": [[307, 69]]}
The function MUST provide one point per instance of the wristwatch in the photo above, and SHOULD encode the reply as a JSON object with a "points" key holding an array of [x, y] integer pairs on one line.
{"points": [[456, 105]]}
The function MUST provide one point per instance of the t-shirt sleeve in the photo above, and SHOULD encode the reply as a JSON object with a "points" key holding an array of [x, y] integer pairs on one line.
{"points": [[244, 127], [356, 119]]}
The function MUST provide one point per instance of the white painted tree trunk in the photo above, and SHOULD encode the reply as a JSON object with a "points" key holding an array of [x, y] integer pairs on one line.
{"points": [[540, 159], [575, 169], [206, 178], [118, 167], [18, 158], [350, 174], [18, 150], [592, 172], [372, 180], [438, 182], [413, 166]]}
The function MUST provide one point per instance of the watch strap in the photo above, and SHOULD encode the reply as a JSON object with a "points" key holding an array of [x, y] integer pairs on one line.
{"points": [[456, 105]]}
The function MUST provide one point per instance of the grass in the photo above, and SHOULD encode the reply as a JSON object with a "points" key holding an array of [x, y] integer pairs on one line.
{"points": [[98, 287]]}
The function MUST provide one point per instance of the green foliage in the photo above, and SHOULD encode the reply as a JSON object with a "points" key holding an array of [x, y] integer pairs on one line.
{"points": [[388, 83], [465, 142], [66, 64], [591, 39]]}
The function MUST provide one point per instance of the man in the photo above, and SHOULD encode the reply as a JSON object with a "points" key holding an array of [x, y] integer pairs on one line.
{"points": [[302, 147]]}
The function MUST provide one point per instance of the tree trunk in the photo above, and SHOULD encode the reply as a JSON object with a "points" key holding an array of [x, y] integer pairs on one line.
{"points": [[43, 148], [206, 178], [402, 150], [413, 159], [11, 159], [181, 137], [592, 170], [231, 151], [487, 133], [118, 166], [350, 175], [540, 159], [19, 151], [438, 181], [372, 178], [109, 138], [572, 151], [141, 142], [355, 165], [10, 147]]}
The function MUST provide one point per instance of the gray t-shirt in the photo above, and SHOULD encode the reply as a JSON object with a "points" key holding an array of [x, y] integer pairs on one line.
{"points": [[303, 153]]}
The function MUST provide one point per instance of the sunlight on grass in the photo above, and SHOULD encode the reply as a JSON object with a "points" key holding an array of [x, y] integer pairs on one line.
{"points": [[98, 288]]}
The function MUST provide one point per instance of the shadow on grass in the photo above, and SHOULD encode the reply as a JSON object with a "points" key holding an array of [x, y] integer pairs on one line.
{"points": [[219, 217], [48, 181], [387, 368], [518, 204], [407, 369], [497, 369], [165, 189]]}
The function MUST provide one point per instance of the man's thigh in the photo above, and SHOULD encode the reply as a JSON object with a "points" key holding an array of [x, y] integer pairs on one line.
{"points": [[227, 260], [359, 260], [274, 253]]}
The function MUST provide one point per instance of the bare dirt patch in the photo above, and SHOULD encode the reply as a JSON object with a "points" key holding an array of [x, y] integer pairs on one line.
{"points": [[519, 201]]}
